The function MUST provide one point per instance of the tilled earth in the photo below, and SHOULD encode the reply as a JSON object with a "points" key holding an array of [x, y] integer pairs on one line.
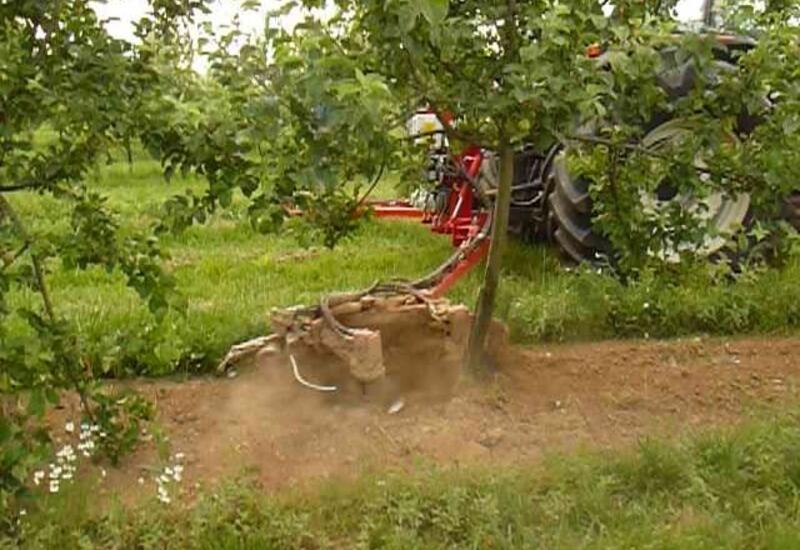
{"points": [[542, 400]]}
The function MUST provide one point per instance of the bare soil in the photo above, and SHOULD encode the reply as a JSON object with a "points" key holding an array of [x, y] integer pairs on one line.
{"points": [[541, 400]]}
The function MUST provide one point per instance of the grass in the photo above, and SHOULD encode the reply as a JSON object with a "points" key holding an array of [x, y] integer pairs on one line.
{"points": [[232, 277], [738, 488]]}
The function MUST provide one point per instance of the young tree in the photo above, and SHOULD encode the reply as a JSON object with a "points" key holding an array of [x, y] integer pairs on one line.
{"points": [[513, 72], [65, 93]]}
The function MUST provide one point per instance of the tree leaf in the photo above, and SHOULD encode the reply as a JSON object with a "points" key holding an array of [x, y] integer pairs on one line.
{"points": [[435, 11]]}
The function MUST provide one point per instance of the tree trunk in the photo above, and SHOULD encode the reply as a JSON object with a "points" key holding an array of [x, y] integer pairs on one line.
{"points": [[475, 357]]}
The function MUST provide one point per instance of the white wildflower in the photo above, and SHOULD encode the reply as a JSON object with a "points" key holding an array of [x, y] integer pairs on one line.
{"points": [[103, 472], [141, 481], [38, 476], [163, 495], [69, 427], [65, 452]]}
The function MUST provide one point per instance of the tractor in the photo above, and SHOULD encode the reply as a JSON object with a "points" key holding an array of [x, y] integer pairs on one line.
{"points": [[548, 201]]}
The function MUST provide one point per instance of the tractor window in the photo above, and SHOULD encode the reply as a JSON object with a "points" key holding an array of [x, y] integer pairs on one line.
{"points": [[726, 15], [696, 15], [737, 15], [691, 13]]}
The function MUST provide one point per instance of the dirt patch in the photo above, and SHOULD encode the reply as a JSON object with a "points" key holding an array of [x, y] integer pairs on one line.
{"points": [[543, 399]]}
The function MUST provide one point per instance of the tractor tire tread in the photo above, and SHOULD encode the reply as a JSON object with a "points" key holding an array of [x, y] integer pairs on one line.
{"points": [[576, 192], [572, 230]]}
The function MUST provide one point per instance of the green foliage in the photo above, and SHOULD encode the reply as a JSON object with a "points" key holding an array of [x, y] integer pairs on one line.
{"points": [[22, 447], [688, 300], [288, 120], [120, 415]]}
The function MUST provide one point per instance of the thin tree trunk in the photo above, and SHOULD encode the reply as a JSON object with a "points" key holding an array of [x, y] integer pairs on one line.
{"points": [[41, 283], [475, 357], [129, 154]]}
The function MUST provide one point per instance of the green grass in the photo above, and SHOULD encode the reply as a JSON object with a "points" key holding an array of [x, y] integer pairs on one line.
{"points": [[232, 277], [733, 489]]}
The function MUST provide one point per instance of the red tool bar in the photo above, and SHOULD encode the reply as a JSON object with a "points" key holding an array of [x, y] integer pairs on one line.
{"points": [[464, 266], [396, 209]]}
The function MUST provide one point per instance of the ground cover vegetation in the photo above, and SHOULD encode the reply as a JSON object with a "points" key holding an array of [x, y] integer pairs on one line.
{"points": [[726, 489], [311, 118]]}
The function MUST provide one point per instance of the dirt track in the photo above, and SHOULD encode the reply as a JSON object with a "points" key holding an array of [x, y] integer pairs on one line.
{"points": [[544, 399]]}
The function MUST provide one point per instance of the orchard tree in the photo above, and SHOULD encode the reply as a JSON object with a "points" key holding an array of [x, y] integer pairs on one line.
{"points": [[513, 72], [66, 90], [70, 95], [285, 119]]}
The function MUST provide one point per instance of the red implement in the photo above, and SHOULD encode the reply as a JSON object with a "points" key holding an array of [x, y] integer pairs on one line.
{"points": [[459, 218], [396, 209], [463, 267]]}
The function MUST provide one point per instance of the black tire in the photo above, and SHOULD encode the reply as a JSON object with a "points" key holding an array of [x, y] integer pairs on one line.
{"points": [[570, 216], [570, 209], [569, 220]]}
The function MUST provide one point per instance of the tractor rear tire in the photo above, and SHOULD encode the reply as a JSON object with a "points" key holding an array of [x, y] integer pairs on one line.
{"points": [[569, 218], [570, 208]]}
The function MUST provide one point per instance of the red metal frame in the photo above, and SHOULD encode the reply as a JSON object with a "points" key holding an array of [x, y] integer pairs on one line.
{"points": [[396, 209], [462, 268], [459, 218]]}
